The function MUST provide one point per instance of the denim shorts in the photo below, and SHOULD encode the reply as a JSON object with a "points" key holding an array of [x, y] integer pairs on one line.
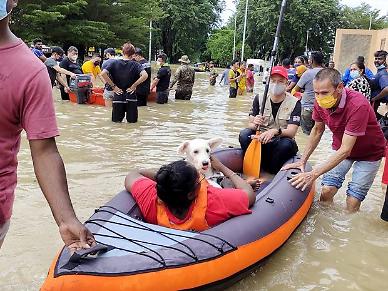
{"points": [[363, 175]]}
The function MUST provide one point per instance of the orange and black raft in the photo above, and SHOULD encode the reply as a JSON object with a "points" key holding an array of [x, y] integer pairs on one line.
{"points": [[134, 255]]}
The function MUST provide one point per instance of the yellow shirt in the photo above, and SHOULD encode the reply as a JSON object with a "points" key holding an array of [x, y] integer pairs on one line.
{"points": [[243, 81], [232, 75], [89, 68]]}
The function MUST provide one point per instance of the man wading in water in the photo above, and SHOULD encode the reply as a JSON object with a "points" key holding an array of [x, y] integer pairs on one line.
{"points": [[27, 103], [185, 76], [123, 76]]}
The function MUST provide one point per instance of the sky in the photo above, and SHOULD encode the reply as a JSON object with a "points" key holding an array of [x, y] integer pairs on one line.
{"points": [[382, 5]]}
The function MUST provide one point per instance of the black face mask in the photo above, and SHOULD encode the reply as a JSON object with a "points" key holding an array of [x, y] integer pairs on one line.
{"points": [[60, 59]]}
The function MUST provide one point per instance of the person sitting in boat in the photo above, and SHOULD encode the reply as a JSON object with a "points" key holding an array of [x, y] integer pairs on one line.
{"points": [[278, 125], [177, 196]]}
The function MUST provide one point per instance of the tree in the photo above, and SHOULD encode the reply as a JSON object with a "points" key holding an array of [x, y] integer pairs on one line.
{"points": [[83, 23], [320, 17], [362, 16], [186, 26], [220, 46]]}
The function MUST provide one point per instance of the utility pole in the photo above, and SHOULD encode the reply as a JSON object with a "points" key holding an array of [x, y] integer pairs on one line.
{"points": [[150, 43], [307, 41], [234, 37], [245, 30]]}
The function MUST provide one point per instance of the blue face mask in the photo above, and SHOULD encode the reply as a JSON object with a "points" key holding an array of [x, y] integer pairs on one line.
{"points": [[354, 74], [3, 9]]}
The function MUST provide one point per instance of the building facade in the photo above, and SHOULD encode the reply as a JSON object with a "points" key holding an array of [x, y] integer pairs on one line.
{"points": [[351, 43]]}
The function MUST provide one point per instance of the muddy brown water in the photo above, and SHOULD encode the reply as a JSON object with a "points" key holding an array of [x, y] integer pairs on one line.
{"points": [[331, 250]]}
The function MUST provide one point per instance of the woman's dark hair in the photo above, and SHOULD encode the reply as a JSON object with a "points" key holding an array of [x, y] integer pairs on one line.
{"points": [[174, 182], [361, 66], [302, 59]]}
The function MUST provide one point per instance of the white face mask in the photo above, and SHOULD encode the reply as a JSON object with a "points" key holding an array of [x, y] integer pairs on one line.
{"points": [[158, 63], [3, 9], [277, 89]]}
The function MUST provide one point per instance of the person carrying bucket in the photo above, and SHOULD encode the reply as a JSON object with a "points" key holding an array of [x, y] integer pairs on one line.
{"points": [[123, 76]]}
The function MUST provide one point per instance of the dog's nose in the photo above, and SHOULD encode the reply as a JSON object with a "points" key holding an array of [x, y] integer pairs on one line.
{"points": [[205, 163]]}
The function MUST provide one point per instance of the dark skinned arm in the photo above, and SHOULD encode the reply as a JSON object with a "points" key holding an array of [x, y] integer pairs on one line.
{"points": [[238, 182], [51, 175], [135, 175]]}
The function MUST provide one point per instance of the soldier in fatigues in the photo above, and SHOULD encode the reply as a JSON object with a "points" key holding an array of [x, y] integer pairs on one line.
{"points": [[184, 77], [213, 74]]}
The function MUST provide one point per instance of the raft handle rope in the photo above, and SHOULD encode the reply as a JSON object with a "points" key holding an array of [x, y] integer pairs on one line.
{"points": [[166, 233], [134, 241]]}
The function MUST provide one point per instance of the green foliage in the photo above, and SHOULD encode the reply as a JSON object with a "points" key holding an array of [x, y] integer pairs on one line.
{"points": [[84, 22], [361, 17], [186, 26], [320, 17], [220, 46]]}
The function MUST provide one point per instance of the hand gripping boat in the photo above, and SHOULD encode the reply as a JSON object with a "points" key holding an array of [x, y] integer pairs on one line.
{"points": [[134, 255]]}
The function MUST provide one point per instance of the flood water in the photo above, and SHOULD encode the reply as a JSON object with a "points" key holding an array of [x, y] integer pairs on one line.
{"points": [[331, 250]]}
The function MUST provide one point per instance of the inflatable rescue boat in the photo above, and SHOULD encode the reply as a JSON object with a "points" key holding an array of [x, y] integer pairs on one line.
{"points": [[134, 255]]}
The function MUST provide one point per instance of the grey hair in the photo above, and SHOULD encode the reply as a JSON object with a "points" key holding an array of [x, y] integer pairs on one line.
{"points": [[72, 49], [329, 74]]}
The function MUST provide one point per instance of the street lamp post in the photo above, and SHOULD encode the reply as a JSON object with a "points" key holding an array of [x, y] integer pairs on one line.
{"points": [[245, 30], [234, 36], [150, 43], [307, 40]]}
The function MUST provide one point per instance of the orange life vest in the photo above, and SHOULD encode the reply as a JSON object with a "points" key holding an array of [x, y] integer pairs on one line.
{"points": [[197, 219]]}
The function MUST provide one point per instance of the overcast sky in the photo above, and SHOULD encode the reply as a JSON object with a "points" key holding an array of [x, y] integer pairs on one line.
{"points": [[382, 5]]}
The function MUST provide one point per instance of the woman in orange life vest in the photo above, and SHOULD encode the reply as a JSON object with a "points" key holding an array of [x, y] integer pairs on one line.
{"points": [[177, 196]]}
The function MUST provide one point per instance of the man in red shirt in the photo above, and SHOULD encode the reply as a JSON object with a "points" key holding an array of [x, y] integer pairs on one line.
{"points": [[27, 103], [357, 139], [176, 196]]}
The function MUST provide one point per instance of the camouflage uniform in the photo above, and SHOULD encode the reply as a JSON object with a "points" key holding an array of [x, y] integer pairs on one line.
{"points": [[184, 77], [213, 77]]}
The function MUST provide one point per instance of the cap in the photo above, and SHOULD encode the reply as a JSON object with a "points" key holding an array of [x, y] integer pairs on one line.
{"points": [[138, 51], [184, 59], [279, 70], [110, 51]]}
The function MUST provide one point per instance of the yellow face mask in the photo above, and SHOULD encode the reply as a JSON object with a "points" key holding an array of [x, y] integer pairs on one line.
{"points": [[326, 101]]}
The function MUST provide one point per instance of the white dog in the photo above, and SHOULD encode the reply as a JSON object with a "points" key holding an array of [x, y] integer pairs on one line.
{"points": [[198, 152]]}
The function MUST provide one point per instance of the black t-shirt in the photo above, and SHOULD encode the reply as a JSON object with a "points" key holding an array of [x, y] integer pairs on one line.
{"points": [[294, 117], [164, 76], [144, 88], [70, 66], [50, 64], [124, 73]]}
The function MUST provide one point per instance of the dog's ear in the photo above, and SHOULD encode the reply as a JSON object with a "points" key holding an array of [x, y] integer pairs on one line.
{"points": [[214, 142], [183, 148]]}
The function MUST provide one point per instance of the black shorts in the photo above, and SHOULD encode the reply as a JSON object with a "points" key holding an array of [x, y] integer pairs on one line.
{"points": [[232, 92], [142, 99], [64, 95]]}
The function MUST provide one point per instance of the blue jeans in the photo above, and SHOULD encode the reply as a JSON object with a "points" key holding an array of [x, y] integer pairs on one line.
{"points": [[363, 175]]}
